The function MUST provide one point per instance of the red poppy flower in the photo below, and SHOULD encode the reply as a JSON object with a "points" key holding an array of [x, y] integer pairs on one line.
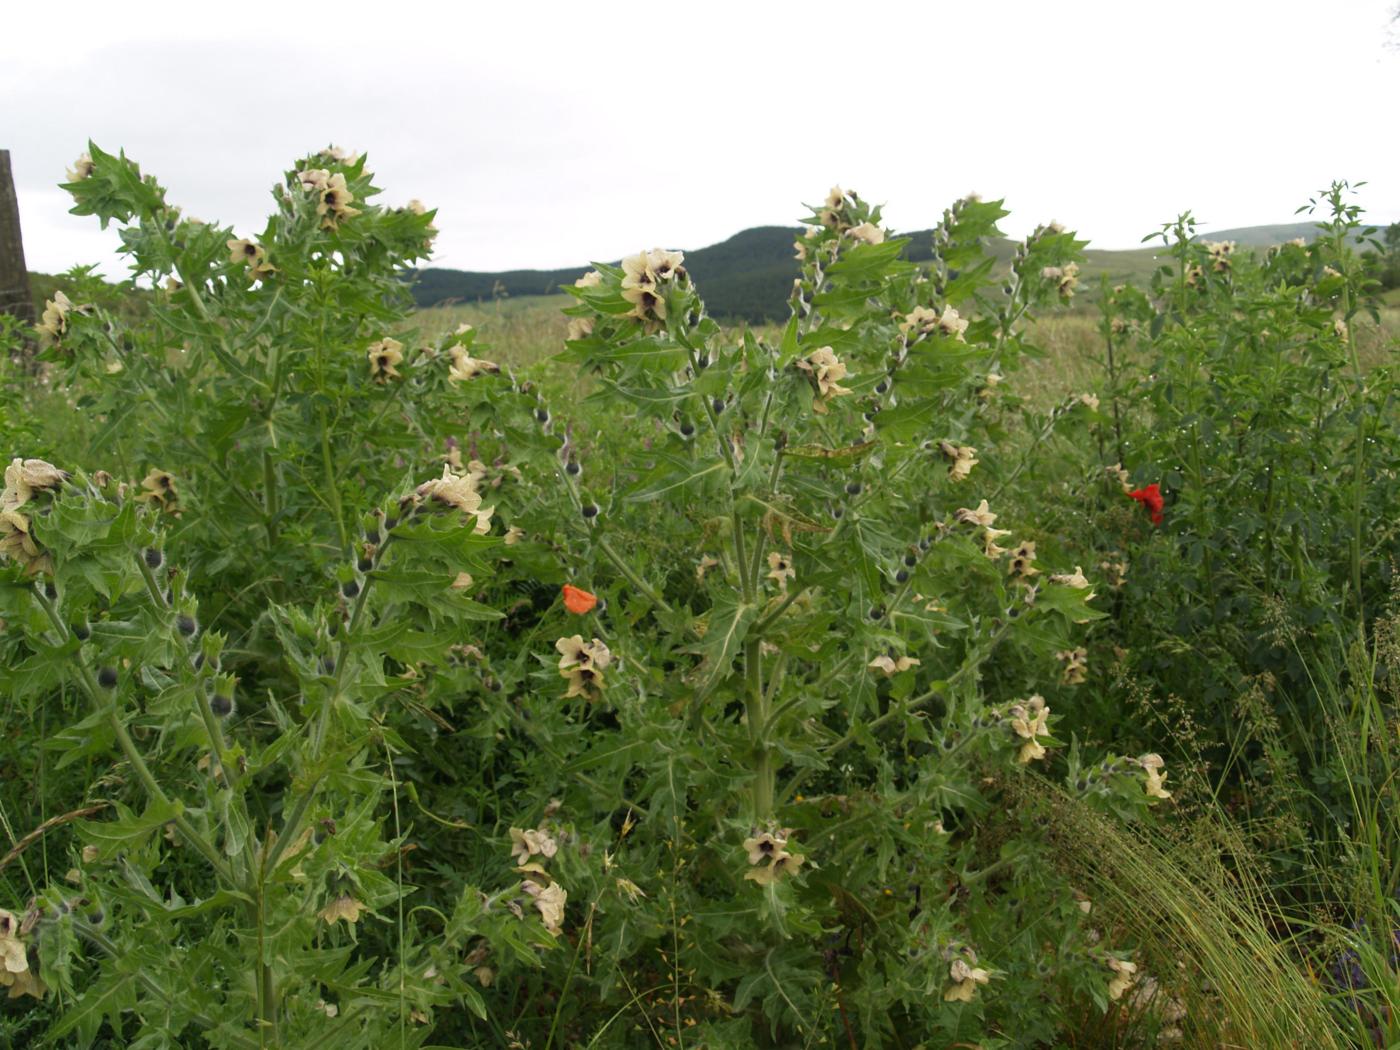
{"points": [[1151, 498], [578, 601]]}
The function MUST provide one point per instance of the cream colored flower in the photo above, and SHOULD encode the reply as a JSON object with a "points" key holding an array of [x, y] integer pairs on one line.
{"points": [[55, 320], [589, 280], [867, 232], [665, 264], [780, 569], [250, 254], [528, 843], [26, 477], [514, 535], [1075, 579], [584, 682], [343, 907], [1122, 979], [1076, 663], [1154, 773], [455, 490], [575, 652], [462, 582], [158, 486], [961, 459], [579, 328], [921, 320], [891, 666], [835, 198], [1063, 277], [647, 305], [965, 979], [782, 865], [1340, 327], [636, 271], [14, 958], [981, 516], [765, 845], [1028, 721], [465, 367], [824, 367], [335, 202], [1022, 561], [383, 356], [81, 169], [582, 664], [1089, 401], [704, 565], [950, 324], [550, 901]]}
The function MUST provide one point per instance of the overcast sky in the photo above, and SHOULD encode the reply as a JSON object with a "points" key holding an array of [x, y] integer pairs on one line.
{"points": [[549, 134]]}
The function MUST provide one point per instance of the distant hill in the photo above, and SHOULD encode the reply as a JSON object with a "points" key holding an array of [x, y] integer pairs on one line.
{"points": [[750, 275], [1264, 236]]}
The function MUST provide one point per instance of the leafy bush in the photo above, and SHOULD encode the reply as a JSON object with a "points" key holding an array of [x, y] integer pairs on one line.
{"points": [[399, 705]]}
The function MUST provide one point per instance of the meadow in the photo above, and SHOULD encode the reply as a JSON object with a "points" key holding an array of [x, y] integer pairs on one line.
{"points": [[973, 659]]}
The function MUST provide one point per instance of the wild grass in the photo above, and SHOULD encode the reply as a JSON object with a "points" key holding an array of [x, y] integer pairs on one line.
{"points": [[524, 333]]}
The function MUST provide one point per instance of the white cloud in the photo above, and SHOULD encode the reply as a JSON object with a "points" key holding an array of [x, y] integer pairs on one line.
{"points": [[549, 134]]}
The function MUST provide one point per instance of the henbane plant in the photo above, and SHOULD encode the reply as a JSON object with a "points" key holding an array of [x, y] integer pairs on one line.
{"points": [[757, 790]]}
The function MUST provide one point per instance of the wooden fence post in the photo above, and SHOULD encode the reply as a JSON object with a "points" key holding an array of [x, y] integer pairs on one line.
{"points": [[15, 296]]}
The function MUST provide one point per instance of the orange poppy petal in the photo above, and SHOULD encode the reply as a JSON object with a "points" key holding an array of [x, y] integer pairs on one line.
{"points": [[578, 601]]}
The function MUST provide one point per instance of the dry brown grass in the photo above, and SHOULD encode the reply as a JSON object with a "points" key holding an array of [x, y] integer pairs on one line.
{"points": [[526, 332]]}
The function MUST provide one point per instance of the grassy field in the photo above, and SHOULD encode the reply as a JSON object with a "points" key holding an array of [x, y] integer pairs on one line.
{"points": [[524, 333]]}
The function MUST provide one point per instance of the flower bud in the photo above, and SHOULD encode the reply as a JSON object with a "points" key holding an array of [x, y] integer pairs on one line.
{"points": [[572, 468], [687, 429], [186, 625], [50, 591], [590, 510], [542, 415], [107, 678], [154, 558], [350, 588], [372, 537], [365, 564], [81, 632], [877, 612], [901, 576], [220, 705], [719, 405], [910, 560], [853, 488]]}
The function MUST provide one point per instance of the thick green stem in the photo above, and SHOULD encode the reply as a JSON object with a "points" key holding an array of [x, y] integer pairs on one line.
{"points": [[756, 710], [631, 576]]}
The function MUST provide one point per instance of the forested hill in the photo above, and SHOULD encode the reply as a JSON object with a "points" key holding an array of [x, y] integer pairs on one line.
{"points": [[750, 275]]}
